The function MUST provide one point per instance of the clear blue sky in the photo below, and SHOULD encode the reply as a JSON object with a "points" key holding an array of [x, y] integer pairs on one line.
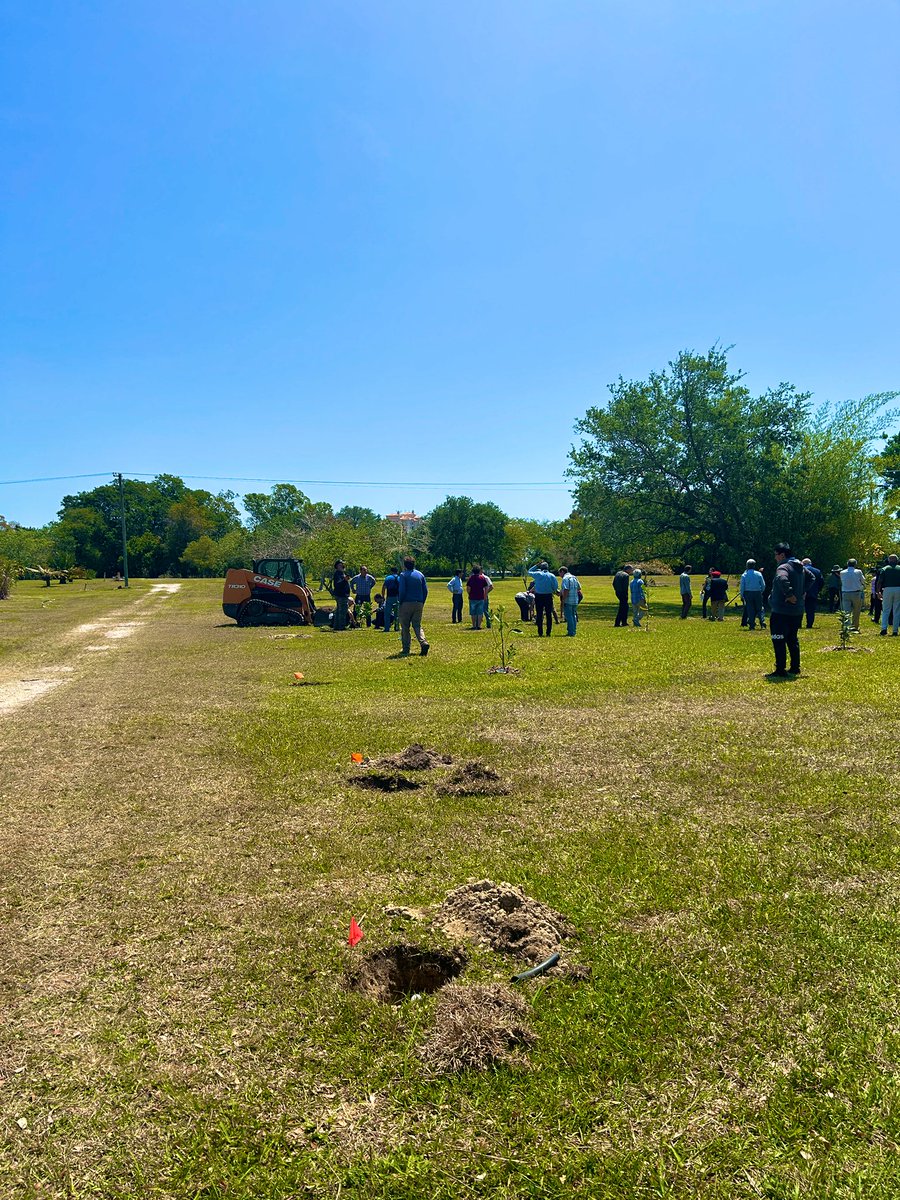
{"points": [[414, 241]]}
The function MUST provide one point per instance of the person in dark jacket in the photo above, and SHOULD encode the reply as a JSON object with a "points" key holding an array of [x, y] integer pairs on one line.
{"points": [[704, 592], [814, 582], [620, 587], [340, 587], [718, 595], [786, 611]]}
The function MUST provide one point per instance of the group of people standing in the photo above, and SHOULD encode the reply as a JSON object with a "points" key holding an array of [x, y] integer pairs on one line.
{"points": [[537, 602], [791, 597], [399, 604]]}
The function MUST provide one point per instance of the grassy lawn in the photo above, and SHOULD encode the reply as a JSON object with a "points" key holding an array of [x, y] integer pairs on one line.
{"points": [[183, 853]]}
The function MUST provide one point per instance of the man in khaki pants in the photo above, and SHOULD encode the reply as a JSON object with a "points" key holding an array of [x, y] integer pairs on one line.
{"points": [[413, 594], [853, 586]]}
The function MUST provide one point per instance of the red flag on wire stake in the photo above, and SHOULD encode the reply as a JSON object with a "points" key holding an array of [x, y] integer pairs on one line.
{"points": [[356, 934]]}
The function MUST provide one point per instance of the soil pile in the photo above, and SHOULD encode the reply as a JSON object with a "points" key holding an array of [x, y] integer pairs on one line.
{"points": [[474, 779], [475, 1027], [414, 758], [504, 918], [384, 781], [395, 972]]}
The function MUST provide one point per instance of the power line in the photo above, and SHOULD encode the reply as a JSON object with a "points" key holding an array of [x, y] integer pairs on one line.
{"points": [[55, 478], [399, 484]]}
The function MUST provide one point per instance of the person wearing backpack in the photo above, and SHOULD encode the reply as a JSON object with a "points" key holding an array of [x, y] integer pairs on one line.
{"points": [[786, 611]]}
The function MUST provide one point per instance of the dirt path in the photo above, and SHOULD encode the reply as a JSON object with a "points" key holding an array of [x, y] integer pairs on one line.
{"points": [[91, 637]]}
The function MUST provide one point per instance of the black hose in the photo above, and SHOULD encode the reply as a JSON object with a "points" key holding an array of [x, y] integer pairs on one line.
{"points": [[538, 970]]}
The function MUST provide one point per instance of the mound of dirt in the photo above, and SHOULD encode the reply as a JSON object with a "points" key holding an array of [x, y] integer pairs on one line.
{"points": [[504, 918], [384, 781], [395, 972], [475, 1027], [414, 758], [474, 779]]}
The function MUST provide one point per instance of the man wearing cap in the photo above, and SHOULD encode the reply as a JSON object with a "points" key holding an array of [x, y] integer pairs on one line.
{"points": [[786, 611], [890, 595], [340, 589], [718, 595], [853, 584], [545, 588], [752, 587]]}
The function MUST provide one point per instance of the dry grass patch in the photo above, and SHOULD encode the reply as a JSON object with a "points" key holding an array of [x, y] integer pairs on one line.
{"points": [[476, 1026]]}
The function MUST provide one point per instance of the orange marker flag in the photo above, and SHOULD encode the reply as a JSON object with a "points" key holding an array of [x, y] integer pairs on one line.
{"points": [[356, 934], [357, 758], [298, 674]]}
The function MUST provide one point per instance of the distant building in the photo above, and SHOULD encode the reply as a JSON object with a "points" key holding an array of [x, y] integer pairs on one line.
{"points": [[408, 521]]}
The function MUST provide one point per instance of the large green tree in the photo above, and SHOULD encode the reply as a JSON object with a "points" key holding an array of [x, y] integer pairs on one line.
{"points": [[688, 463], [464, 531], [162, 515]]}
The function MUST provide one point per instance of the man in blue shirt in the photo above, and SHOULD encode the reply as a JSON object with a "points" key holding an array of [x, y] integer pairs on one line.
{"points": [[752, 587], [391, 590], [545, 588], [413, 593]]}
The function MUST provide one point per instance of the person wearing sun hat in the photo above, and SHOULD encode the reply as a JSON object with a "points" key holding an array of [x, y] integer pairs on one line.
{"points": [[718, 595]]}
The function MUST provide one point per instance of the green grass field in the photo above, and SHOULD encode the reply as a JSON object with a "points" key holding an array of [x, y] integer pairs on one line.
{"points": [[183, 854]]}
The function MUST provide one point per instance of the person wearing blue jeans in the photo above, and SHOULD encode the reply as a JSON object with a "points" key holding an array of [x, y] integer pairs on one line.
{"points": [[638, 597], [752, 587], [391, 601], [571, 594]]}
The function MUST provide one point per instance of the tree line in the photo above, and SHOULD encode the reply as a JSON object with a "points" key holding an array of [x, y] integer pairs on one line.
{"points": [[685, 466], [176, 530]]}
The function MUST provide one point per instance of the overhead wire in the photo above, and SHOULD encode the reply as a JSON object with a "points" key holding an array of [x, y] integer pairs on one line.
{"points": [[518, 485]]}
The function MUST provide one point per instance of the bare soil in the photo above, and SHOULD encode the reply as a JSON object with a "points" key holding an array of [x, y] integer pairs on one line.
{"points": [[474, 779], [396, 972], [414, 758], [503, 917], [384, 781]]}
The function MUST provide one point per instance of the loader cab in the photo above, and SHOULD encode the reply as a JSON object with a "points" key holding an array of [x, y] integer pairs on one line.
{"points": [[287, 570]]}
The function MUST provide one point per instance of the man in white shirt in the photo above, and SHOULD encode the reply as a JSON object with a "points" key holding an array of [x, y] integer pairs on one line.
{"points": [[853, 585]]}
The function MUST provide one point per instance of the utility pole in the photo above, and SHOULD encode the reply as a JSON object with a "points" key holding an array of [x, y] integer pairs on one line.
{"points": [[121, 483]]}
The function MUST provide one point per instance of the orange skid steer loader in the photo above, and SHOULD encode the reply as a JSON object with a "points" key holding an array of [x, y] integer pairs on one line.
{"points": [[273, 593]]}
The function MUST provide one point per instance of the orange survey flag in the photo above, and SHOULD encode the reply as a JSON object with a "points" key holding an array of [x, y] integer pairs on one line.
{"points": [[356, 758], [298, 674], [356, 934]]}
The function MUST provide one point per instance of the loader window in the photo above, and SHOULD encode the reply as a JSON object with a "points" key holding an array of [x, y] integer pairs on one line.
{"points": [[275, 568]]}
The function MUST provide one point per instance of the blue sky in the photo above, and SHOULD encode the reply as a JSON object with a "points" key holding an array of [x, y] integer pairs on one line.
{"points": [[413, 242]]}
